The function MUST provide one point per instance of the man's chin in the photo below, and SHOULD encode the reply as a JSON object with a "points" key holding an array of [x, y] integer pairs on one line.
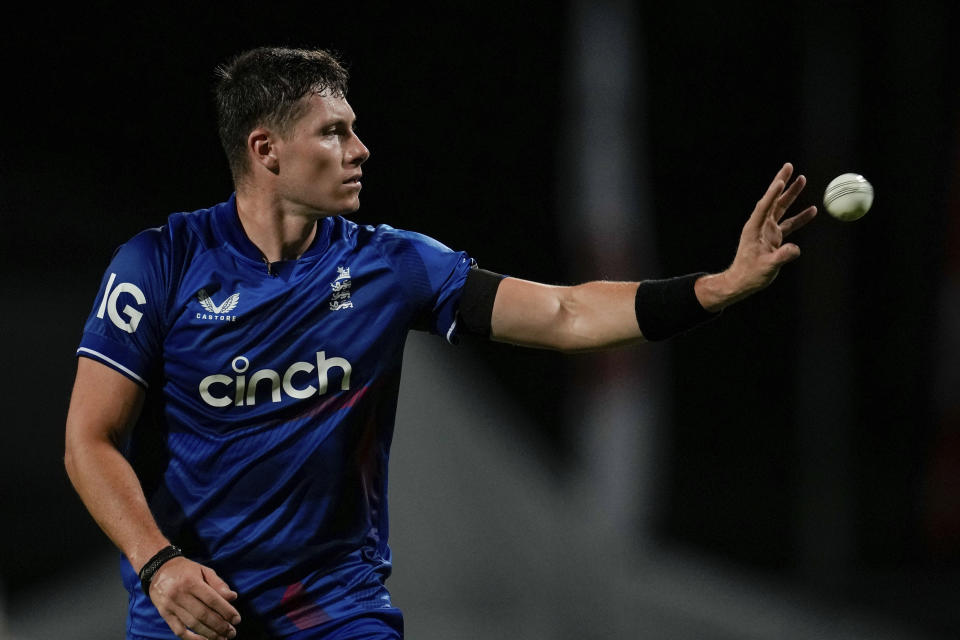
{"points": [[343, 209], [351, 208]]}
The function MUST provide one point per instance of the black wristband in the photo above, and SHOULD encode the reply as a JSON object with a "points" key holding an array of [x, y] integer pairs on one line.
{"points": [[668, 307], [146, 573]]}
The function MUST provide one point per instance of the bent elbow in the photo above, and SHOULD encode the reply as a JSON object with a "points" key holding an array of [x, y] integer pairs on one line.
{"points": [[74, 447], [70, 464], [70, 455], [575, 334]]}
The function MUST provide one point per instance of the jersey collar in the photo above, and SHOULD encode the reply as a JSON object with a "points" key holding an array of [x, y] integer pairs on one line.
{"points": [[231, 230]]}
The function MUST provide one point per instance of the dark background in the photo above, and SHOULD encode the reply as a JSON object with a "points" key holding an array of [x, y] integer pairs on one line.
{"points": [[109, 128]]}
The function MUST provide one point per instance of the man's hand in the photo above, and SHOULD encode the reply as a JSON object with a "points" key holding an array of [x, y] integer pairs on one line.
{"points": [[194, 601], [761, 251]]}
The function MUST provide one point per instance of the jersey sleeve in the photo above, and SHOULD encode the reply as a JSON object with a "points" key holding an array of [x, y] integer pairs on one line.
{"points": [[432, 276], [125, 328]]}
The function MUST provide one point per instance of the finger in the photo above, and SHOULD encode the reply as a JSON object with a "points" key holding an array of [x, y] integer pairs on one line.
{"points": [[762, 209], [206, 632], [785, 172], [217, 607], [211, 578], [196, 615], [767, 202], [798, 221], [216, 594], [788, 197], [179, 629]]}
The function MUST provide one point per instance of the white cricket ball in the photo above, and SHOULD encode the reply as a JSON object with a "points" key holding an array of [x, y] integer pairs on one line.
{"points": [[848, 197]]}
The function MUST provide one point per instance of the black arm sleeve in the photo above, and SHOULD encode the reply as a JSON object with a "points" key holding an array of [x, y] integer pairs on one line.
{"points": [[668, 307], [476, 303]]}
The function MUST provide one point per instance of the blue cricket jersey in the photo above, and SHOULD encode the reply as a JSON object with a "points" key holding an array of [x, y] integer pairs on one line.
{"points": [[271, 395]]}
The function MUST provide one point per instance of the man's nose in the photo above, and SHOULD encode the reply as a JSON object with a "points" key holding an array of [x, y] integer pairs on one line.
{"points": [[358, 152]]}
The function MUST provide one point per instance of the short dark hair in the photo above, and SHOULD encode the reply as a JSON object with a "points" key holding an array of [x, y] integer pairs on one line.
{"points": [[264, 86]]}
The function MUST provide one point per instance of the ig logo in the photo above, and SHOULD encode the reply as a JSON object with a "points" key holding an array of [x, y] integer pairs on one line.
{"points": [[109, 304]]}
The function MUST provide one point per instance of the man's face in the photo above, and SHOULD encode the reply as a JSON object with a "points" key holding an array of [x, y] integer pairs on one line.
{"points": [[319, 159]]}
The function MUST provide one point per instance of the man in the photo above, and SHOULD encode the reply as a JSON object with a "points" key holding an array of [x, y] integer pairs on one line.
{"points": [[233, 408]]}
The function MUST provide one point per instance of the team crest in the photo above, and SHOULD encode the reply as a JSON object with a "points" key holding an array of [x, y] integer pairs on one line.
{"points": [[340, 297]]}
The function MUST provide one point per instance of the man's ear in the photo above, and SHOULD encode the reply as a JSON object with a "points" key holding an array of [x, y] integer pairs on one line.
{"points": [[262, 149]]}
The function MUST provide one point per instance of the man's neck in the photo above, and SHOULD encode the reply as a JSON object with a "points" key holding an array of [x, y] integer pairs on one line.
{"points": [[278, 231]]}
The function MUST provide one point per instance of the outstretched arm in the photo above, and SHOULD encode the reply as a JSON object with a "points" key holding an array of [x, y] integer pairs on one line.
{"points": [[192, 599], [599, 315]]}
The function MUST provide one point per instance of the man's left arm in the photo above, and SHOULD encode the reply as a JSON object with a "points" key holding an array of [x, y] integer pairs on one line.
{"points": [[600, 315]]}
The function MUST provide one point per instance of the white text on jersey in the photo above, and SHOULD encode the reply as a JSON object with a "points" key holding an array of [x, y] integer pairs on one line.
{"points": [[214, 389], [109, 304]]}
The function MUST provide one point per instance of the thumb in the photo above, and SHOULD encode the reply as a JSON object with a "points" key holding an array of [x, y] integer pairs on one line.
{"points": [[786, 253], [211, 578]]}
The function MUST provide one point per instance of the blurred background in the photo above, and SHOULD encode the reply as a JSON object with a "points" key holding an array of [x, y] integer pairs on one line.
{"points": [[790, 470]]}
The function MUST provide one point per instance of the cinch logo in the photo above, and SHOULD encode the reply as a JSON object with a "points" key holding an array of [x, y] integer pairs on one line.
{"points": [[217, 312], [215, 389], [109, 304]]}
